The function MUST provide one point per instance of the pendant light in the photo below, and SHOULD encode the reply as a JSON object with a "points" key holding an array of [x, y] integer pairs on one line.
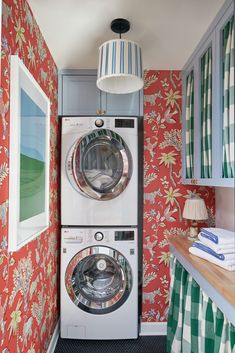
{"points": [[120, 63]]}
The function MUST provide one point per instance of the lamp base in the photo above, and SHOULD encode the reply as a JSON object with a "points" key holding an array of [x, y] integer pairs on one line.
{"points": [[193, 231]]}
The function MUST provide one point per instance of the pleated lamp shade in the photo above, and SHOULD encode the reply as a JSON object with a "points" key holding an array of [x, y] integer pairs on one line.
{"points": [[120, 67], [195, 209]]}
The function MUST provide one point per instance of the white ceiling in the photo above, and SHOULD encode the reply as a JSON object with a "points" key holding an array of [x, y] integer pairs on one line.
{"points": [[167, 30]]}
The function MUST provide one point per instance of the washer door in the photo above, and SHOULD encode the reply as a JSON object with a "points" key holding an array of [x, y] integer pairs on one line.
{"points": [[100, 164], [98, 279]]}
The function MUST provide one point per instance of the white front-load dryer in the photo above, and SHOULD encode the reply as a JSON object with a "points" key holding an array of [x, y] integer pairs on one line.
{"points": [[99, 283], [99, 171]]}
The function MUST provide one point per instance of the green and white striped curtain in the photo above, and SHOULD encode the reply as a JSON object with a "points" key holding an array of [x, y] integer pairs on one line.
{"points": [[189, 125], [195, 324], [206, 114], [228, 100]]}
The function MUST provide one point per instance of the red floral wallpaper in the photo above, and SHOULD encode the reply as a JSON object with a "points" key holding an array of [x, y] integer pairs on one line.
{"points": [[164, 195], [29, 283]]}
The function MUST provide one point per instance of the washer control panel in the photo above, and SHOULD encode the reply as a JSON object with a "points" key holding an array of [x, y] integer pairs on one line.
{"points": [[94, 236], [99, 236]]}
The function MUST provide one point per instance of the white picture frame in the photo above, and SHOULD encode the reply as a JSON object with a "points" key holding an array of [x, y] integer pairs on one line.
{"points": [[29, 157]]}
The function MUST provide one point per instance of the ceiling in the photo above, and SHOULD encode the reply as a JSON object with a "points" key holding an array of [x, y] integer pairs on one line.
{"points": [[167, 30]]}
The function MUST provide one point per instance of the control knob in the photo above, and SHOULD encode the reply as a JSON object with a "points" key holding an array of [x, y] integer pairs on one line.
{"points": [[99, 122], [99, 236]]}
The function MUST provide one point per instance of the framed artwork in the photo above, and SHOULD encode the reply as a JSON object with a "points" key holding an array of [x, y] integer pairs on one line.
{"points": [[29, 157]]}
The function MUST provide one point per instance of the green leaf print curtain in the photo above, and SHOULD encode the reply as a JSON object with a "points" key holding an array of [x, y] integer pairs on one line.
{"points": [[206, 114], [228, 100], [189, 125], [195, 324]]}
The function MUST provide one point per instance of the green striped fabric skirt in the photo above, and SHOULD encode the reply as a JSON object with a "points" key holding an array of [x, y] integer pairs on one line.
{"points": [[195, 324]]}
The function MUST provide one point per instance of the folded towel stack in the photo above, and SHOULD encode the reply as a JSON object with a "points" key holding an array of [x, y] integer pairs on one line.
{"points": [[216, 245]]}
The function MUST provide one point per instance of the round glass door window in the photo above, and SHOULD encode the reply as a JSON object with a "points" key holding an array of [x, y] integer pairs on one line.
{"points": [[101, 164], [98, 279]]}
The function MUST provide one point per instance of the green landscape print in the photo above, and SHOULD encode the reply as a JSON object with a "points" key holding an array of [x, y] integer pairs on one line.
{"points": [[32, 158]]}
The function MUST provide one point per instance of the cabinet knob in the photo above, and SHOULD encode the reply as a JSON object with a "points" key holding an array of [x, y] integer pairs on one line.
{"points": [[100, 112], [194, 181]]}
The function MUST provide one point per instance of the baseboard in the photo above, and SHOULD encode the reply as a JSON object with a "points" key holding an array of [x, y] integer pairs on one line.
{"points": [[153, 328], [54, 338]]}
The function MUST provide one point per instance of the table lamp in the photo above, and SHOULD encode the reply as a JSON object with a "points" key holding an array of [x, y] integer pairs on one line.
{"points": [[194, 209]]}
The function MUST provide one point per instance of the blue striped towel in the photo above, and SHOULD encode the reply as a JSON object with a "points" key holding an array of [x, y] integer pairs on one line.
{"points": [[227, 265], [218, 235], [222, 257], [219, 249]]}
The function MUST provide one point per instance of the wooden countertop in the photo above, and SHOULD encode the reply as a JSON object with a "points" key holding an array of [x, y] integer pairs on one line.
{"points": [[218, 283]]}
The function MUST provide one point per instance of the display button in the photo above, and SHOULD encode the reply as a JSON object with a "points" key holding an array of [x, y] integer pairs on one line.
{"points": [[99, 236], [99, 122]]}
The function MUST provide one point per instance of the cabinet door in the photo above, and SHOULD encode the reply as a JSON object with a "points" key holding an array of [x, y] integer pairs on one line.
{"points": [[208, 154], [206, 104], [80, 95], [225, 97], [121, 104], [190, 151]]}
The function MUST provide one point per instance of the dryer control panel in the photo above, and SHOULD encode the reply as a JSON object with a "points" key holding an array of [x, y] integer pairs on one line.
{"points": [[80, 125]]}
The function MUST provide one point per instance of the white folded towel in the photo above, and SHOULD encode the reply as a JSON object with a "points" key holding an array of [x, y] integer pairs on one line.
{"points": [[227, 265], [218, 235], [221, 256], [224, 248]]}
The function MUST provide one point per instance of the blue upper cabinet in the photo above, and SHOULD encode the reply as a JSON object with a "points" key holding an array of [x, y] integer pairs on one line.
{"points": [[208, 106], [79, 95], [122, 104]]}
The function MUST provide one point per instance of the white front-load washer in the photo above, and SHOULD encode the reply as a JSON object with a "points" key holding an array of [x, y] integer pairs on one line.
{"points": [[99, 171], [99, 283]]}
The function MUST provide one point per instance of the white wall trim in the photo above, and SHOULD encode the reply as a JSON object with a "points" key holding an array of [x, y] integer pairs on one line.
{"points": [[153, 328], [54, 338]]}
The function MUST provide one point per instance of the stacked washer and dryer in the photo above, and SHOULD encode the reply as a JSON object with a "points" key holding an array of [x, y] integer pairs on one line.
{"points": [[99, 211]]}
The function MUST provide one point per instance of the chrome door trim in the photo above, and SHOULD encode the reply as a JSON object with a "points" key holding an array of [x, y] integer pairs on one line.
{"points": [[77, 176], [99, 307]]}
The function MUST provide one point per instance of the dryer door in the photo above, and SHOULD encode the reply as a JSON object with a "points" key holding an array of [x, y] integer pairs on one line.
{"points": [[101, 164], [98, 279]]}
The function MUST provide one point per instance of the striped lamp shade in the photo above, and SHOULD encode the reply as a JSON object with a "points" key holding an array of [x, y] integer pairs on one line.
{"points": [[120, 67]]}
